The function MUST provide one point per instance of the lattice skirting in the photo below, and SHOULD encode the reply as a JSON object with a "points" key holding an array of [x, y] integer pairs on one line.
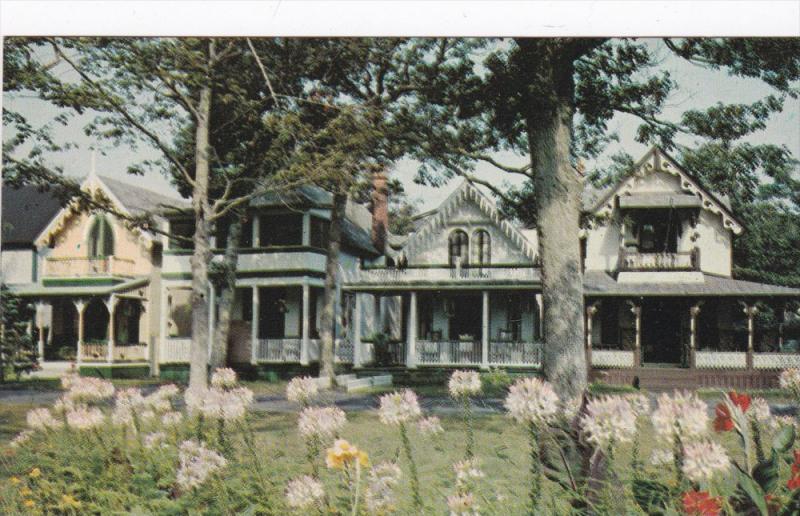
{"points": [[612, 358], [721, 360]]}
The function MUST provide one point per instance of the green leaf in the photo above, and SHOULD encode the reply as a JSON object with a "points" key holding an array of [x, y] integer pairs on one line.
{"points": [[784, 439], [753, 491], [766, 473], [650, 495]]}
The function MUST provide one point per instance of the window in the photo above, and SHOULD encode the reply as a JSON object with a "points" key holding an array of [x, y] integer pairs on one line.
{"points": [[459, 245], [281, 230], [245, 237], [481, 247], [320, 229], [101, 238], [183, 230]]}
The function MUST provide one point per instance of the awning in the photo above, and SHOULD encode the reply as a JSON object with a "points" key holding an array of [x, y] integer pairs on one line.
{"points": [[38, 290], [657, 200]]}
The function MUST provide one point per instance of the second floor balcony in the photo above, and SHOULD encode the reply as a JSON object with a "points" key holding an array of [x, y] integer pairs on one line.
{"points": [[87, 267], [631, 261], [378, 276]]}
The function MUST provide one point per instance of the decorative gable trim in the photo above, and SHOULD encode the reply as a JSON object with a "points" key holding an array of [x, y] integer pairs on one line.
{"points": [[467, 191], [656, 160]]}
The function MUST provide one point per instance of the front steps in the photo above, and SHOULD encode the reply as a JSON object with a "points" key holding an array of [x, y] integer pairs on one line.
{"points": [[355, 384]]}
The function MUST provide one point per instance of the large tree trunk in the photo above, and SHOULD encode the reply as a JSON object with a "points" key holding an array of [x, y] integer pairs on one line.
{"points": [[198, 365], [328, 318], [219, 346], [558, 191]]}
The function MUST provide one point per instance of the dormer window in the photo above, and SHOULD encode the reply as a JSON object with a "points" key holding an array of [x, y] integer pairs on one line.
{"points": [[481, 247], [101, 238], [458, 248]]}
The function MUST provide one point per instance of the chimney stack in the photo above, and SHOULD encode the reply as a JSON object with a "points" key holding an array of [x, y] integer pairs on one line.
{"points": [[380, 210]]}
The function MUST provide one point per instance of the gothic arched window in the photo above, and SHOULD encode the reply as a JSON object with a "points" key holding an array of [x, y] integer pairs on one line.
{"points": [[101, 238], [458, 248], [481, 247]]}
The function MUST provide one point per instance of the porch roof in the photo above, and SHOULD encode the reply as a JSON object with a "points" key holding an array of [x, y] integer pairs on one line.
{"points": [[597, 283], [39, 290]]}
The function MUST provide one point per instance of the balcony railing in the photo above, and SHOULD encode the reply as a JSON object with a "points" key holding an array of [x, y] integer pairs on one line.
{"points": [[83, 266], [278, 350], [394, 276], [641, 262], [448, 352], [507, 353]]}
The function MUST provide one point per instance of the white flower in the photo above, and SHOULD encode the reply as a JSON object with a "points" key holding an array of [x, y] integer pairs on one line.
{"points": [[640, 404], [462, 504], [215, 403], [467, 471], [21, 438], [171, 419], [197, 463], [703, 459], [570, 407], [324, 423], [790, 380], [464, 383], [609, 419], [41, 418], [662, 457], [155, 440], [223, 378], [682, 414], [302, 389], [159, 400], [86, 389], [168, 391], [304, 493], [760, 411], [126, 404], [530, 400], [399, 407], [85, 418], [379, 496], [63, 404], [430, 426]]}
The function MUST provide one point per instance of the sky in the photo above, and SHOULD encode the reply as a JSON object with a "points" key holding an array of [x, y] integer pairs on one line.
{"points": [[697, 88]]}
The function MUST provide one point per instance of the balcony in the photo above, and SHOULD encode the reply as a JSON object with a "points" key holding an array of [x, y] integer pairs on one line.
{"points": [[389, 276], [85, 267], [658, 262]]}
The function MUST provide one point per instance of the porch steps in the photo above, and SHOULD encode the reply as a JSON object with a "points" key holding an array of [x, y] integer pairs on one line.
{"points": [[55, 369], [357, 384]]}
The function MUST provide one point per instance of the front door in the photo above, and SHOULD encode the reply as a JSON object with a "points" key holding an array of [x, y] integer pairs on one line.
{"points": [[466, 317], [661, 332]]}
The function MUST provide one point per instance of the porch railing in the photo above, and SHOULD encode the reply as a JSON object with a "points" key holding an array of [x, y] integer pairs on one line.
{"points": [[83, 266], [612, 358], [278, 350], [449, 352], [389, 275], [682, 261], [775, 360], [720, 359], [175, 350], [344, 351], [506, 353], [98, 352]]}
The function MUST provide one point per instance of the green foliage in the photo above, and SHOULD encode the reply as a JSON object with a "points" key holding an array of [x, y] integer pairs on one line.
{"points": [[18, 352], [496, 382]]}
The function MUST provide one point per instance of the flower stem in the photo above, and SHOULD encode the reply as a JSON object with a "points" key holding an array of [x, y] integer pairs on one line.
{"points": [[412, 469], [469, 453], [536, 469]]}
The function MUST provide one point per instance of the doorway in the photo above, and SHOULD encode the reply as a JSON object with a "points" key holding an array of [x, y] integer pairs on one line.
{"points": [[661, 332]]}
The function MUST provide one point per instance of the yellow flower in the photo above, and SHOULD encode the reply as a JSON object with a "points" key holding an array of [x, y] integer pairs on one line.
{"points": [[14, 480], [35, 473], [363, 458], [25, 491], [69, 501], [342, 453], [29, 504]]}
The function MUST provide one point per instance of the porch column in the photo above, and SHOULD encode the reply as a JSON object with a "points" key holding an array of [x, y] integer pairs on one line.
{"points": [[485, 331], [781, 322], [306, 236], [411, 352], [694, 311], [254, 327], [306, 326], [164, 309], [750, 311], [80, 306], [256, 230], [540, 307], [637, 349], [111, 305], [355, 330], [590, 311], [40, 316]]}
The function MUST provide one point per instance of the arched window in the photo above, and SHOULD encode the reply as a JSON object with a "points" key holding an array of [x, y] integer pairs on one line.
{"points": [[459, 248], [101, 238], [481, 247]]}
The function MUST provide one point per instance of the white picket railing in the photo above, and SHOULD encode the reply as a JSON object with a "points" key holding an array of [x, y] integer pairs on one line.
{"points": [[448, 352], [612, 358], [515, 353], [775, 360], [175, 350], [720, 360], [390, 275], [278, 350]]}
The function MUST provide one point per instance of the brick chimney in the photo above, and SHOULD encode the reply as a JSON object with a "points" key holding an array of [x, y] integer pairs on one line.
{"points": [[380, 210]]}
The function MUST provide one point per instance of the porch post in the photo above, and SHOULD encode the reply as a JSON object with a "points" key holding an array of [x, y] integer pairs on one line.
{"points": [[750, 311], [411, 352], [111, 305], [355, 330], [637, 350], [80, 306], [694, 311], [254, 327], [256, 237], [306, 327], [590, 311], [781, 322], [164, 309], [40, 324], [540, 307], [485, 331]]}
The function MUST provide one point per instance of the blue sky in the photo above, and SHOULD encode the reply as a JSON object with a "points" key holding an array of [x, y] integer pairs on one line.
{"points": [[698, 87]]}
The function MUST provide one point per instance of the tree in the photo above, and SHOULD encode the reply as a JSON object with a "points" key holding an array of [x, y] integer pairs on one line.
{"points": [[550, 100], [17, 348]]}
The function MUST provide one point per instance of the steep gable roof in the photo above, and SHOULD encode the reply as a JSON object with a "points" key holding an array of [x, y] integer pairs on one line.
{"points": [[467, 191], [656, 160], [139, 200], [26, 212]]}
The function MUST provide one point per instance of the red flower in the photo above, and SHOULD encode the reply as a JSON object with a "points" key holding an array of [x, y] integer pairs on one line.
{"points": [[797, 456], [793, 482], [723, 422], [740, 400], [700, 503]]}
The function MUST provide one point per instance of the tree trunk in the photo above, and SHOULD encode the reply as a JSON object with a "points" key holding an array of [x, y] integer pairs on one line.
{"points": [[219, 346], [328, 318], [558, 191], [201, 257]]}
